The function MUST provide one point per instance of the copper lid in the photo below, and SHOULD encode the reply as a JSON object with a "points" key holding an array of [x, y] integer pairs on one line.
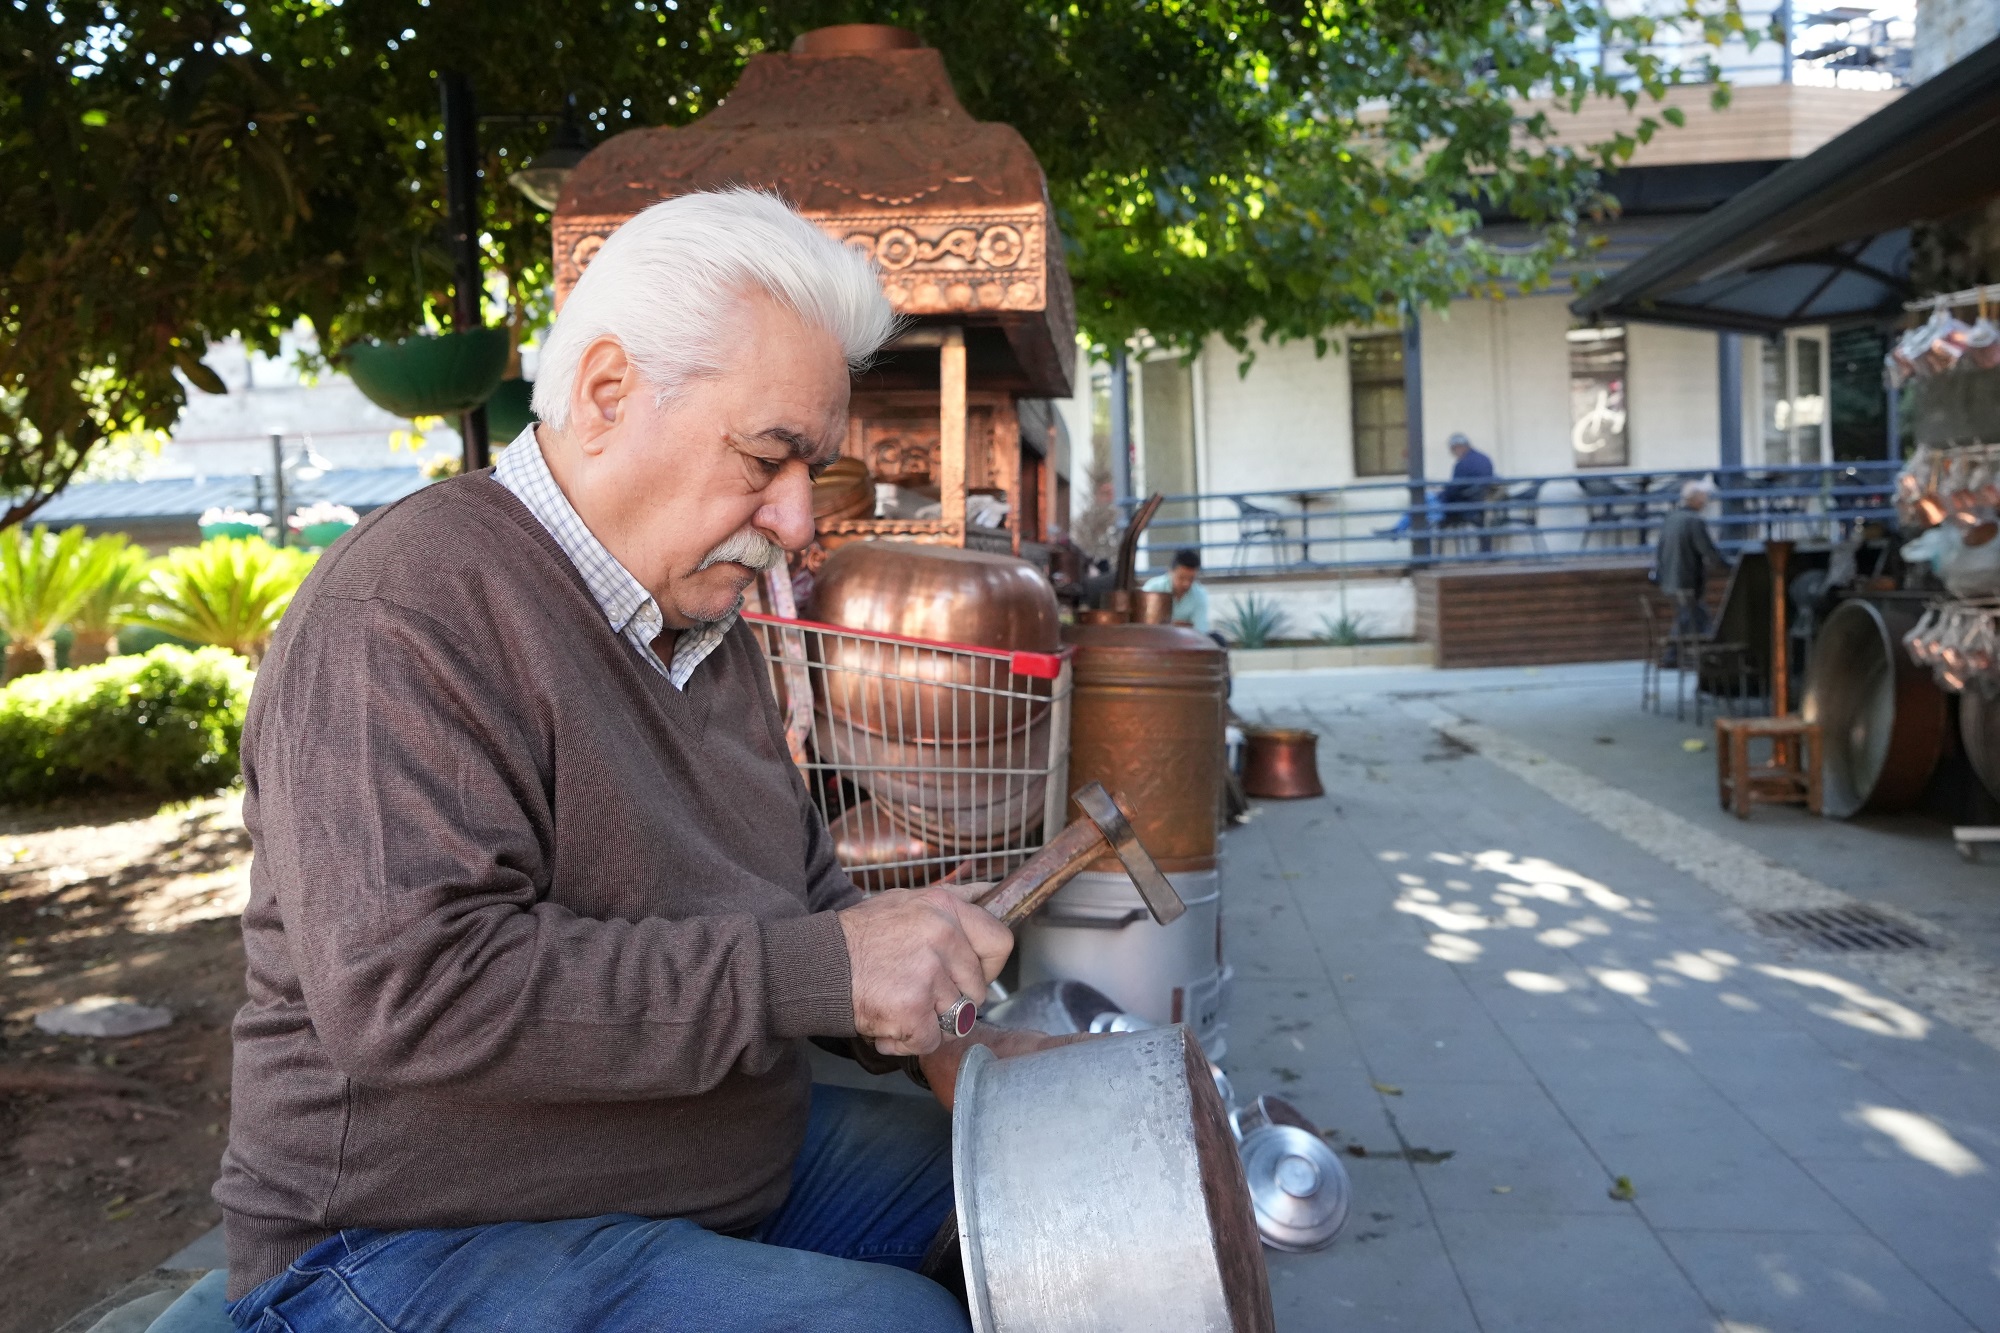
{"points": [[1131, 653]]}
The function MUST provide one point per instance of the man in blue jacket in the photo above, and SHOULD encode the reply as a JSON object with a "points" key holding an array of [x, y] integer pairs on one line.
{"points": [[1471, 474]]}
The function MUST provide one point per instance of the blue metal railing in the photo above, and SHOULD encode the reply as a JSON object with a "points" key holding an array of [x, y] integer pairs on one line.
{"points": [[1568, 516]]}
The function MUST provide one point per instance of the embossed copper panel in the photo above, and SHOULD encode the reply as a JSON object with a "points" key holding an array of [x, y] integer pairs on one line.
{"points": [[862, 132]]}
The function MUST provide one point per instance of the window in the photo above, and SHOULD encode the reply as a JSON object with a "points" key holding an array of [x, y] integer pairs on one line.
{"points": [[1381, 413], [1793, 388], [1597, 421]]}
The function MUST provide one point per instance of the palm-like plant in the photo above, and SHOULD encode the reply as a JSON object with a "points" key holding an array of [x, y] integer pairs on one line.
{"points": [[1253, 621], [43, 577], [94, 624], [228, 591]]}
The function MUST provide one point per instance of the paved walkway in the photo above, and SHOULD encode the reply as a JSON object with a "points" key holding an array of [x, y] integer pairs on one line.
{"points": [[1512, 980]]}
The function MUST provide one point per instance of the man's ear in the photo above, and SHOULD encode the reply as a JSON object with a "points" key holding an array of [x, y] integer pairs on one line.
{"points": [[604, 380]]}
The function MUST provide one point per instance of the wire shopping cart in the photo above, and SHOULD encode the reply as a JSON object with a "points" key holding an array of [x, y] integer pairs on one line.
{"points": [[925, 757]]}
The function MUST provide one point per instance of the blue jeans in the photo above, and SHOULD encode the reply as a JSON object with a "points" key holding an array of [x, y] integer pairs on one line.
{"points": [[871, 1186]]}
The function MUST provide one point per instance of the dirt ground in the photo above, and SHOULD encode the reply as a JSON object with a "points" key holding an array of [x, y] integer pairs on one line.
{"points": [[108, 1147]]}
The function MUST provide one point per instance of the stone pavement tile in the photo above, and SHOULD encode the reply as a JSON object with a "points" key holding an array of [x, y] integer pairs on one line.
{"points": [[1569, 1273], [1447, 1035], [1264, 934], [1292, 1039], [1388, 968], [1968, 1105], [1784, 1082], [1719, 1178], [1505, 1135], [1945, 1227], [1556, 990], [1810, 1284], [1941, 1052], [1386, 1270]]}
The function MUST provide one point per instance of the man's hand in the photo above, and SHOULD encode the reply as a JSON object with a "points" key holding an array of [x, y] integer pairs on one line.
{"points": [[941, 1065], [912, 953]]}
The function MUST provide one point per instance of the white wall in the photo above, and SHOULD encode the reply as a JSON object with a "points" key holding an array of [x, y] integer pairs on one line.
{"points": [[1283, 426], [1671, 392]]}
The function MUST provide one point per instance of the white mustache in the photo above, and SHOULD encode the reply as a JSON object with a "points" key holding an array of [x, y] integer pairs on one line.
{"points": [[748, 547]]}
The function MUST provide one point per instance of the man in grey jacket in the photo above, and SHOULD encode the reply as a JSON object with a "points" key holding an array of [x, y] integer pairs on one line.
{"points": [[1686, 555]]}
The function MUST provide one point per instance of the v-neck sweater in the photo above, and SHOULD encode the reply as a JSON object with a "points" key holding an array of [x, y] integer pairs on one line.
{"points": [[531, 933]]}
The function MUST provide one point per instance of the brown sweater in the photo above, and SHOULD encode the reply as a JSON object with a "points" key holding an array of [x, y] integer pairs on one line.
{"points": [[531, 933]]}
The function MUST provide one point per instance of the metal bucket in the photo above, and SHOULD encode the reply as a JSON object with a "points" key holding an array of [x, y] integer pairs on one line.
{"points": [[1100, 1191], [1881, 716], [1096, 930]]}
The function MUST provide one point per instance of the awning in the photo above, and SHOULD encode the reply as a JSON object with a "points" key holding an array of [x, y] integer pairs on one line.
{"points": [[109, 502], [1826, 238]]}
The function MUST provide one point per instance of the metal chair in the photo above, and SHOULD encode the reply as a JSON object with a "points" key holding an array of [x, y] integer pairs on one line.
{"points": [[1518, 510], [1609, 516], [1254, 525], [1684, 654]]}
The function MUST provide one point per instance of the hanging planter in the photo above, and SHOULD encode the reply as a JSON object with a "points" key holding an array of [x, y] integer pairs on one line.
{"points": [[430, 375], [321, 525], [231, 523], [510, 410]]}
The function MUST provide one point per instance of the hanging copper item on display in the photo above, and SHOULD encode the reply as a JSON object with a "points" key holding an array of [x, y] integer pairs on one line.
{"points": [[1281, 763]]}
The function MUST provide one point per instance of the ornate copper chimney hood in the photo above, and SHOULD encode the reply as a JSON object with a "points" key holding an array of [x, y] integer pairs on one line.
{"points": [[858, 127]]}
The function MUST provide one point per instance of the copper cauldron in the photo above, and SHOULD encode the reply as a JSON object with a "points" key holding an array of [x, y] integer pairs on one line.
{"points": [[1147, 721], [1153, 608], [879, 855], [906, 692], [1280, 763], [967, 793]]}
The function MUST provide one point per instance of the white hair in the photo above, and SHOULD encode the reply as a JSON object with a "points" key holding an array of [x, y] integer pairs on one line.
{"points": [[665, 285], [1702, 490]]}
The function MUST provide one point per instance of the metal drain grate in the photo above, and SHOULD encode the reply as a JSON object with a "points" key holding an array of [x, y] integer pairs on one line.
{"points": [[1842, 929]]}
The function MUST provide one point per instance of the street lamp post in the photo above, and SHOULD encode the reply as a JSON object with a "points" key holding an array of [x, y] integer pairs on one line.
{"points": [[461, 189]]}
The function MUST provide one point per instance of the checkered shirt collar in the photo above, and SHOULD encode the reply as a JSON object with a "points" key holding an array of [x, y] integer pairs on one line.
{"points": [[632, 611]]}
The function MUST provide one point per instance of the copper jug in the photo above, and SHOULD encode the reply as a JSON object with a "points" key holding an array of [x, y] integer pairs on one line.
{"points": [[1281, 763]]}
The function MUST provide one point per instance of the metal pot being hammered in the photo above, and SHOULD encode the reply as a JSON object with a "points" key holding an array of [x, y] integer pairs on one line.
{"points": [[1099, 1188], [965, 794]]}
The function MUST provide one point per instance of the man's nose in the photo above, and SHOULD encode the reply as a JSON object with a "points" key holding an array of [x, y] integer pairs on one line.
{"points": [[786, 516]]}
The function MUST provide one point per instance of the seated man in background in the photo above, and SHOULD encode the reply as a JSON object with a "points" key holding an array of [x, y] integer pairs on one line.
{"points": [[1184, 582], [1471, 474]]}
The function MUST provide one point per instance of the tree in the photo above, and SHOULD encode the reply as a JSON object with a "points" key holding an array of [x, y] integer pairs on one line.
{"points": [[177, 170], [229, 592], [93, 625]]}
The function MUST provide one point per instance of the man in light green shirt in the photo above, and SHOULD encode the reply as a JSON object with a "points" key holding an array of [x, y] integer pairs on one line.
{"points": [[1184, 582]]}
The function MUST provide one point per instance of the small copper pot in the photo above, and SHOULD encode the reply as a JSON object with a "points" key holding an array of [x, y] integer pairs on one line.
{"points": [[1281, 763], [1101, 615], [1152, 608]]}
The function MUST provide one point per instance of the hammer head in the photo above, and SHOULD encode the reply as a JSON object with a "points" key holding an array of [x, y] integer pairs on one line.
{"points": [[1104, 811]]}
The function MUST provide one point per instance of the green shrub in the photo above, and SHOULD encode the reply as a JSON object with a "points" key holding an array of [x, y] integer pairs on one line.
{"points": [[1343, 631], [1253, 621], [229, 591], [164, 724]]}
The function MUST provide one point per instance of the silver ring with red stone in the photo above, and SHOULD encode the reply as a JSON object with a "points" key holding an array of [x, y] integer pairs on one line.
{"points": [[957, 1020]]}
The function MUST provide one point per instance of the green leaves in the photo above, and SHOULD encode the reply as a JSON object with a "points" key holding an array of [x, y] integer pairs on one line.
{"points": [[44, 577], [229, 591]]}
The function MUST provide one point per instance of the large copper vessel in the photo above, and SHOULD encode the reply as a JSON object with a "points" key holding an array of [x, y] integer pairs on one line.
{"points": [[1147, 721], [1882, 717], [941, 741]]}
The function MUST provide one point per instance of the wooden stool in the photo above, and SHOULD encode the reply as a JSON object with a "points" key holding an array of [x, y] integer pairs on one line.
{"points": [[1792, 777]]}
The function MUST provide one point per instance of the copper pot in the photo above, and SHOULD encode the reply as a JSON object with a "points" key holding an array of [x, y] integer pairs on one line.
{"points": [[876, 853], [908, 692], [1101, 615], [1153, 608], [1281, 763], [961, 794], [843, 491], [1146, 720]]}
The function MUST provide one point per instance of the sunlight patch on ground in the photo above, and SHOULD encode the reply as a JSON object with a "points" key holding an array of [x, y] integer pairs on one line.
{"points": [[1623, 980], [1536, 983], [1922, 1138], [1454, 948], [1863, 1008]]}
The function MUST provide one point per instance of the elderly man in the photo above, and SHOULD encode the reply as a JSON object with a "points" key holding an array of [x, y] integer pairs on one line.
{"points": [[541, 913], [1686, 555]]}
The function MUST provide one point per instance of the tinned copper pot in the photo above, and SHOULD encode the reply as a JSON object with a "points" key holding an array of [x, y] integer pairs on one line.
{"points": [[1146, 720], [1281, 763]]}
